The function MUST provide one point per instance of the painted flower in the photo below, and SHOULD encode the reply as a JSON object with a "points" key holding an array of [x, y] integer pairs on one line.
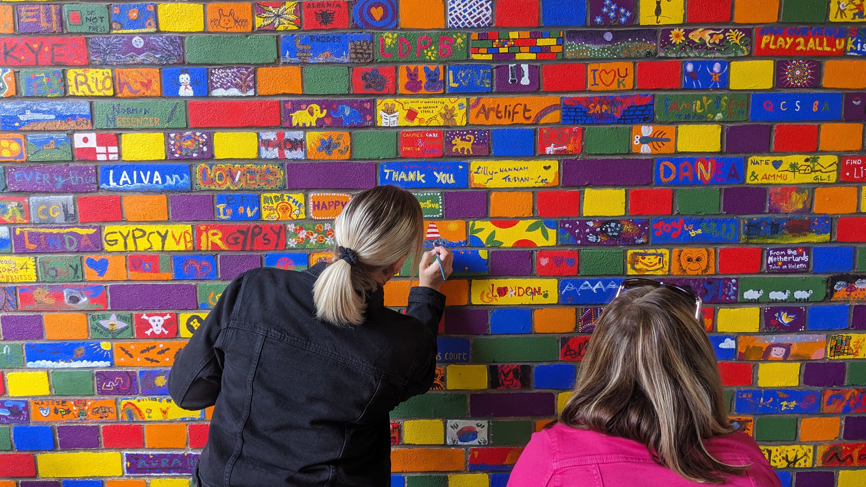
{"points": [[599, 19], [291, 227], [281, 18], [735, 36], [678, 36], [329, 240], [320, 228], [320, 238]]}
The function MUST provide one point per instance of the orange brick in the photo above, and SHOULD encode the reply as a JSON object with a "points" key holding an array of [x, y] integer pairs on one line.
{"points": [[7, 26], [541, 423], [422, 14], [165, 435], [116, 270], [849, 74], [836, 200], [555, 320], [145, 208], [456, 292], [756, 11], [397, 293], [281, 80], [511, 204], [819, 429], [7, 483], [428, 459], [65, 326], [125, 483], [845, 137], [230, 17]]}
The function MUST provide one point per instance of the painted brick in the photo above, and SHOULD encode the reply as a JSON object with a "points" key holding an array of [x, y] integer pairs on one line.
{"points": [[85, 464], [510, 263], [256, 113], [432, 405], [827, 317], [512, 204], [510, 321], [650, 201], [735, 374], [5, 438], [776, 428], [796, 138], [427, 459], [179, 17], [17, 465], [555, 320], [216, 49], [235, 145], [851, 229], [554, 376], [99, 209], [778, 374], [22, 327], [752, 138], [466, 377], [607, 172], [152, 296], [752, 75], [513, 142], [142, 146], [376, 144], [198, 434], [756, 11], [739, 320], [123, 436], [832, 259], [514, 349], [465, 321], [601, 262], [147, 208], [516, 13], [565, 77], [603, 202], [334, 175], [512, 404], [708, 11], [607, 140], [699, 138], [326, 80], [169, 483], [558, 203], [32, 438], [854, 428], [842, 137], [279, 80], [653, 75], [165, 435], [78, 436], [851, 478], [819, 429], [824, 374], [847, 74], [27, 383], [424, 432], [703, 201], [465, 204], [744, 201], [72, 382], [191, 207]]}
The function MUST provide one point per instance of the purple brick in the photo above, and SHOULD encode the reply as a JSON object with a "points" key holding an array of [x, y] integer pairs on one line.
{"points": [[745, 201], [747, 138], [231, 266], [51, 179], [191, 207], [465, 321], [510, 262], [465, 204], [815, 479], [152, 296], [607, 172], [22, 327], [337, 175], [40, 483], [824, 374], [858, 320], [855, 428], [513, 404], [78, 437], [116, 382]]}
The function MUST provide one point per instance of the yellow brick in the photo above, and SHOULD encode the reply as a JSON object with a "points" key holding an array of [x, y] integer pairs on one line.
{"points": [[699, 138], [169, 483], [468, 480], [603, 202], [85, 464], [852, 478], [561, 400], [180, 17], [142, 147], [739, 320], [752, 75], [863, 202], [424, 432], [28, 383], [236, 145], [778, 374], [466, 377]]}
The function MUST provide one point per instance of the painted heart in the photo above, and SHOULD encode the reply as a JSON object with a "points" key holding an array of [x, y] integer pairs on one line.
{"points": [[607, 76], [570, 262], [777, 164], [98, 265], [377, 13], [547, 168], [44, 412], [557, 260], [502, 291], [706, 169], [543, 260]]}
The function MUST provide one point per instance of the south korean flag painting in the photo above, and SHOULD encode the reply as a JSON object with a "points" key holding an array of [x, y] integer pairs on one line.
{"points": [[91, 146]]}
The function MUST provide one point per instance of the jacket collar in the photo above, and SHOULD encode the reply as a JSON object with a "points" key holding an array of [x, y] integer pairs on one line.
{"points": [[376, 299]]}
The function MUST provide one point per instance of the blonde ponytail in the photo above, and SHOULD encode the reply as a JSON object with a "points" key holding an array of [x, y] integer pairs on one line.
{"points": [[379, 226]]}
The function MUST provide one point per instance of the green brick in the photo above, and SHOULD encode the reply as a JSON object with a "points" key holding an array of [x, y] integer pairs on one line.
{"points": [[110, 325], [427, 481], [515, 349], [72, 382], [5, 439], [804, 11], [698, 201], [374, 144], [510, 432], [601, 262], [209, 293], [729, 400], [818, 286], [432, 405], [150, 114], [856, 373], [11, 356], [861, 259], [772, 428], [63, 268], [231, 49], [91, 19], [326, 80], [607, 140]]}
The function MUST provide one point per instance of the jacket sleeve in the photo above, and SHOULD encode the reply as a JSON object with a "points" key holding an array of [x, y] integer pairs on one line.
{"points": [[427, 305], [194, 381], [534, 468]]}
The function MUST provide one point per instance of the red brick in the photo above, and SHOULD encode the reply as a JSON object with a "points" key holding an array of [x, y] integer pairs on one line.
{"points": [[558, 203], [706, 11], [198, 435], [653, 75], [99, 209], [740, 260], [548, 263], [851, 229], [17, 465], [650, 201], [2, 385], [516, 13], [563, 77], [796, 138], [122, 436], [735, 374], [255, 113]]}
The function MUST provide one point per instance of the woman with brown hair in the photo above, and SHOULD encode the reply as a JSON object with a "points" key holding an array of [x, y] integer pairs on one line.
{"points": [[304, 367], [648, 407]]}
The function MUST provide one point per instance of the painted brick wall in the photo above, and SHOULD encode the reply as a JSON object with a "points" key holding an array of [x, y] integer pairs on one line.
{"points": [[151, 152]]}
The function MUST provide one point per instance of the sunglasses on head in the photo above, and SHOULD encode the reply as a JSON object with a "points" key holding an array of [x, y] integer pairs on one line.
{"points": [[637, 282]]}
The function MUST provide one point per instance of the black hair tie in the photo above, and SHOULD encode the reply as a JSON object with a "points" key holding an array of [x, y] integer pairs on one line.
{"points": [[348, 255]]}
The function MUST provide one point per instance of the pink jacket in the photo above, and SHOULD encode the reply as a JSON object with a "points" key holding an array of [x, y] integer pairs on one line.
{"points": [[566, 457]]}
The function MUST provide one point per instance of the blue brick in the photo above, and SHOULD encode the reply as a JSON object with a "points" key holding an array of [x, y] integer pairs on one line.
{"points": [[82, 483], [499, 479], [452, 349], [396, 481], [827, 317], [510, 320], [784, 478], [554, 376], [724, 346], [513, 142], [563, 12], [832, 259], [33, 438]]}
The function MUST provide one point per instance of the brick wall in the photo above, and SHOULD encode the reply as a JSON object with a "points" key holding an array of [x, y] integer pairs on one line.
{"points": [[152, 152]]}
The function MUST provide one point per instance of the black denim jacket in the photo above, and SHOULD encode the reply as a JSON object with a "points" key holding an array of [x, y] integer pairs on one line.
{"points": [[299, 401]]}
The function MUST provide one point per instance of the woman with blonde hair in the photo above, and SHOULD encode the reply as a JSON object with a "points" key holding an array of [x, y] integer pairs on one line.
{"points": [[304, 367], [648, 407]]}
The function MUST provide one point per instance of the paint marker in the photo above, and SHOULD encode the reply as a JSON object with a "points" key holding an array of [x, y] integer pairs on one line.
{"points": [[440, 265]]}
